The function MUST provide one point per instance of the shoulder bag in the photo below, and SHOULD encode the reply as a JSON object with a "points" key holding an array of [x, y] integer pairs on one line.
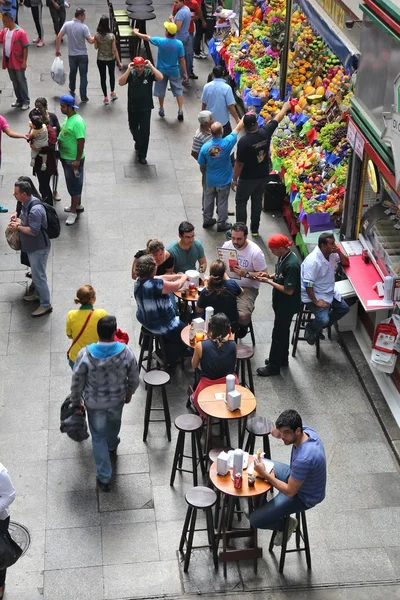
{"points": [[81, 331]]}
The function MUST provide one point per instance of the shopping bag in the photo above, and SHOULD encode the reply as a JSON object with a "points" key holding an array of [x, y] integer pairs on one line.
{"points": [[10, 552], [57, 71], [13, 239]]}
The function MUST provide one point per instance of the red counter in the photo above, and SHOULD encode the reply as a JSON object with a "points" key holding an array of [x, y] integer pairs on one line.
{"points": [[363, 278]]}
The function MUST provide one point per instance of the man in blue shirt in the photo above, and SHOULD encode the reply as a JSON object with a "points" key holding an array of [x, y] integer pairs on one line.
{"points": [[218, 98], [171, 56], [182, 19], [301, 485], [215, 155]]}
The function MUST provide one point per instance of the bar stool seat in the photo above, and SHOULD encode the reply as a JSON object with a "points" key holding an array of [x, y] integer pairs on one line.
{"points": [[154, 379], [188, 424], [198, 498], [149, 341], [250, 331], [243, 355], [301, 533], [259, 427], [305, 316]]}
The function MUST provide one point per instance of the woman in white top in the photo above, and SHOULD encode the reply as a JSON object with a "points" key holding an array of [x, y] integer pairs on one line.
{"points": [[7, 496]]}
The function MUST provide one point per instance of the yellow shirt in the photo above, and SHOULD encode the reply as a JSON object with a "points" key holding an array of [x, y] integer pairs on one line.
{"points": [[75, 320]]}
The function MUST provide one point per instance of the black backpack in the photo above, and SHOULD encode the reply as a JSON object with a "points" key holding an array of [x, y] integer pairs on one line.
{"points": [[53, 222]]}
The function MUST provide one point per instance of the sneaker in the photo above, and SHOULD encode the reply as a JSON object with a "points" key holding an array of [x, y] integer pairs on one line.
{"points": [[43, 167], [16, 104], [142, 160], [72, 217], [3, 209], [31, 298], [40, 44], [267, 371], [284, 364], [208, 224], [106, 100], [79, 209], [56, 196], [255, 233], [193, 76], [279, 534], [114, 96], [42, 310], [161, 112], [36, 41], [309, 336], [203, 54], [198, 56], [84, 100], [226, 227], [25, 107], [180, 115], [105, 487]]}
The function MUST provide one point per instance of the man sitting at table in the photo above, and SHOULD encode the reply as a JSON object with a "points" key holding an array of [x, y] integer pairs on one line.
{"points": [[301, 485], [318, 286], [187, 251], [155, 310]]}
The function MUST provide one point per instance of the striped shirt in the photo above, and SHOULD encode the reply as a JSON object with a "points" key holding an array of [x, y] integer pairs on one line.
{"points": [[308, 464], [154, 309], [200, 138]]}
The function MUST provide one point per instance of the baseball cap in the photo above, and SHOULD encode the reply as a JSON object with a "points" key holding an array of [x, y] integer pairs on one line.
{"points": [[68, 100], [250, 120], [138, 60], [278, 240], [170, 27]]}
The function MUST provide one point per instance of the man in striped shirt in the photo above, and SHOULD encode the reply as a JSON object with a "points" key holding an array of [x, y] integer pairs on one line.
{"points": [[301, 485], [202, 135]]}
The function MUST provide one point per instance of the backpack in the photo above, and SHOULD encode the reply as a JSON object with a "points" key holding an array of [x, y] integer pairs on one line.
{"points": [[53, 222]]}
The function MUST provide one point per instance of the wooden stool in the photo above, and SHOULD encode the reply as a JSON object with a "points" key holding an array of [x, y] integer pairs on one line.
{"points": [[148, 341], [198, 498], [251, 332], [188, 424], [302, 319], [258, 426], [244, 354], [301, 534], [154, 379]]}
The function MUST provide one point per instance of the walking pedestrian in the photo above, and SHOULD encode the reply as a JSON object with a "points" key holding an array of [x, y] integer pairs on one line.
{"points": [[170, 57], [71, 144], [139, 76], [105, 377], [202, 135], [52, 122], [182, 17], [78, 34], [57, 13], [81, 324], [15, 55], [32, 226], [218, 98], [36, 9], [4, 126], [286, 302], [107, 54], [7, 497], [215, 156], [252, 166]]}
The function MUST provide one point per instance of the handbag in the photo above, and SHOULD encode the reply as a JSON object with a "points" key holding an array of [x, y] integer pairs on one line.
{"points": [[13, 238], [81, 331], [10, 552]]}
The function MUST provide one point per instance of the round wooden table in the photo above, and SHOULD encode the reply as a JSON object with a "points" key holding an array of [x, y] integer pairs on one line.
{"points": [[224, 485], [184, 306], [218, 409]]}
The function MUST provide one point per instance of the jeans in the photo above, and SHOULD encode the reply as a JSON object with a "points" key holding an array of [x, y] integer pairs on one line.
{"points": [[103, 65], [80, 62], [104, 427], [254, 189], [3, 528], [186, 45], [190, 54], [38, 262], [37, 18], [139, 125], [326, 316], [272, 514], [20, 85], [279, 351], [58, 17], [219, 195]]}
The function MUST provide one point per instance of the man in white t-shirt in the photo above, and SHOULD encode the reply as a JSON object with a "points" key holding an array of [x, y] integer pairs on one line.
{"points": [[251, 263]]}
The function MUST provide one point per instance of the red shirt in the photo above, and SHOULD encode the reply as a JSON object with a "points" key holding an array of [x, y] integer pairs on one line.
{"points": [[194, 9]]}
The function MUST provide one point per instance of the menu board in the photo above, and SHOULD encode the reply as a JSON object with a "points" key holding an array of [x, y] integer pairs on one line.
{"points": [[230, 258]]}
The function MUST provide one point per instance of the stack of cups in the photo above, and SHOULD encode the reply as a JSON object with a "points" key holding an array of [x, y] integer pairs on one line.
{"points": [[209, 314]]}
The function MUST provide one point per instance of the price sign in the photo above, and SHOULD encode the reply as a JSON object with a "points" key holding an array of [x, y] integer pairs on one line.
{"points": [[332, 111], [351, 134], [359, 146]]}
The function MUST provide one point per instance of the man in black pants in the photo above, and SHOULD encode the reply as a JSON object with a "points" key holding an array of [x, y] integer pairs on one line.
{"points": [[140, 76], [58, 14]]}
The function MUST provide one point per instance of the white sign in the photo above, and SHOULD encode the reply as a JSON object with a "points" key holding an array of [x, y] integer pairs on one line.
{"points": [[391, 133], [359, 145], [351, 134], [230, 258]]}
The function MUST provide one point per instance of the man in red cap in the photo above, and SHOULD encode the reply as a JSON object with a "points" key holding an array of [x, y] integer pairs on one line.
{"points": [[286, 302], [139, 76]]}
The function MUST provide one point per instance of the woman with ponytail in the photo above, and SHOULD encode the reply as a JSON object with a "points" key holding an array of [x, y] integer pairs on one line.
{"points": [[215, 357], [221, 293]]}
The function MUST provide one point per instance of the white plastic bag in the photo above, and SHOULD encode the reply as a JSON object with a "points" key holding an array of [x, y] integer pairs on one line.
{"points": [[57, 71]]}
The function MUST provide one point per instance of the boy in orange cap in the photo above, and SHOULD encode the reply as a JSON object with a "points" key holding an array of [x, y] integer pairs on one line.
{"points": [[286, 302]]}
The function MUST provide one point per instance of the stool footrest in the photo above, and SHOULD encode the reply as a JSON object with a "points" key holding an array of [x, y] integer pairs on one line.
{"points": [[241, 554]]}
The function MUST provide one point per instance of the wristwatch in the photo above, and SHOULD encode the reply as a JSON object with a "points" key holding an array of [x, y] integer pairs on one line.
{"points": [[247, 275]]}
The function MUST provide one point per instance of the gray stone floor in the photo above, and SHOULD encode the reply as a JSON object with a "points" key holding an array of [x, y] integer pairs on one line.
{"points": [[87, 546]]}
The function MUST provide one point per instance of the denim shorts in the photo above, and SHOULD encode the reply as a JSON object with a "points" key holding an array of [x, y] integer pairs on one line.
{"points": [[160, 87], [74, 183]]}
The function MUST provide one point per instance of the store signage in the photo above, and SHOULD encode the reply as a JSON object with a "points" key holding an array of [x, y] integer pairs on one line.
{"points": [[373, 176], [391, 133], [351, 134], [359, 146]]}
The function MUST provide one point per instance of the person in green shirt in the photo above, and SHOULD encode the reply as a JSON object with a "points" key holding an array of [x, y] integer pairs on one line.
{"points": [[71, 144], [286, 302], [139, 76], [187, 251]]}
